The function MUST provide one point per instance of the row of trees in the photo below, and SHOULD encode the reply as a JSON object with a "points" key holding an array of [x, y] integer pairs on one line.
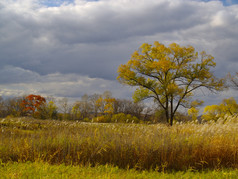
{"points": [[97, 107], [105, 108]]}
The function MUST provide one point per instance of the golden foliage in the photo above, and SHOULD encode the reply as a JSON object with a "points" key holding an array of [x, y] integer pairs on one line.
{"points": [[168, 74], [227, 108]]}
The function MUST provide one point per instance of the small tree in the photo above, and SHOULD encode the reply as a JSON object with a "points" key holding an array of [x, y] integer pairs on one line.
{"points": [[65, 108], [76, 114], [169, 75], [105, 103], [95, 105], [193, 111], [32, 104], [48, 110], [85, 106], [13, 106], [228, 107]]}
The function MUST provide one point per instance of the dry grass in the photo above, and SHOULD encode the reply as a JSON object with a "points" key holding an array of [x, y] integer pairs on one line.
{"points": [[139, 146]]}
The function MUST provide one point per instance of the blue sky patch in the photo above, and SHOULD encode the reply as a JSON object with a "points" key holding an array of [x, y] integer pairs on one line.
{"points": [[226, 2], [57, 3]]}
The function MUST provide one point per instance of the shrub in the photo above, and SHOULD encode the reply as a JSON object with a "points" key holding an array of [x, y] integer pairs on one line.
{"points": [[124, 118], [102, 119]]}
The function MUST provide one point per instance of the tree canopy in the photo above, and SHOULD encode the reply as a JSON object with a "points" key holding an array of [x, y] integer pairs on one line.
{"points": [[32, 103], [228, 107], [169, 75]]}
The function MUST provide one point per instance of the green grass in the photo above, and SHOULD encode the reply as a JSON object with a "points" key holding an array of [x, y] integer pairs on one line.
{"points": [[181, 147], [44, 170]]}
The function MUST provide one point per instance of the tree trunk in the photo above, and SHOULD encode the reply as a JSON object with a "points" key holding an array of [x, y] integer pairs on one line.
{"points": [[171, 120], [171, 112], [167, 111], [167, 115]]}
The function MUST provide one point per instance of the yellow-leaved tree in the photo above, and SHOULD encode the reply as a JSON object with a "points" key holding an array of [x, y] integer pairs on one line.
{"points": [[193, 111], [169, 75], [105, 103], [228, 107]]}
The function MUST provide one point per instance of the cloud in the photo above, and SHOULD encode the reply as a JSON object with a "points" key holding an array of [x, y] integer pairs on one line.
{"points": [[109, 21], [23, 82], [75, 47], [10, 74]]}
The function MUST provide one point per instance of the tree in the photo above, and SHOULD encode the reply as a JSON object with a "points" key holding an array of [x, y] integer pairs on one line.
{"points": [[49, 109], [65, 108], [85, 106], [105, 103], [2, 111], [127, 106], [32, 104], [95, 105], [13, 106], [169, 75], [109, 105], [76, 114], [228, 107], [193, 111]]}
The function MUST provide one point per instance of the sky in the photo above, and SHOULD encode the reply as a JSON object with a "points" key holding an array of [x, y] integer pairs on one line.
{"points": [[71, 48]]}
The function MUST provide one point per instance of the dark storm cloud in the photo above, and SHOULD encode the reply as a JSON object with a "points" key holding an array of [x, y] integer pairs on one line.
{"points": [[81, 38], [106, 21]]}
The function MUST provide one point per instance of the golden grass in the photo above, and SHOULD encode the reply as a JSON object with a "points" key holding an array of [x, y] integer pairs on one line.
{"points": [[140, 146]]}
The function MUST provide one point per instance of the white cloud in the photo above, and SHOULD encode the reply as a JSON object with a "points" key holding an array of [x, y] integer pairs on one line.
{"points": [[23, 82]]}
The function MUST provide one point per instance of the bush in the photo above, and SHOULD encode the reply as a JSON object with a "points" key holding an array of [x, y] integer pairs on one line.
{"points": [[124, 118], [102, 119], [86, 119], [116, 118]]}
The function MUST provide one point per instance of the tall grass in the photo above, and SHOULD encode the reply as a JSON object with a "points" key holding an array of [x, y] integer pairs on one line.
{"points": [[181, 147]]}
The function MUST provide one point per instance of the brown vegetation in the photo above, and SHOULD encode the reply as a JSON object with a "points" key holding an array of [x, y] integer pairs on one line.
{"points": [[140, 146]]}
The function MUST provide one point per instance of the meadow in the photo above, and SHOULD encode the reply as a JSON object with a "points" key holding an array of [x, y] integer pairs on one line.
{"points": [[140, 147], [39, 170]]}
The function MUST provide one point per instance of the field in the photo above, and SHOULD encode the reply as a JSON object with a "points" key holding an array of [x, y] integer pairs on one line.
{"points": [[44, 170], [136, 148]]}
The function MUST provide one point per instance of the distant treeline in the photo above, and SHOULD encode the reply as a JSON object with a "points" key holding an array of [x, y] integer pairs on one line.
{"points": [[91, 108], [105, 108]]}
